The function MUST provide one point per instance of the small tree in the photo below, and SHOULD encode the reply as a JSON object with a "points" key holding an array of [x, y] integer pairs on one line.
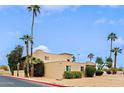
{"points": [[100, 63], [90, 56], [14, 58], [109, 62]]}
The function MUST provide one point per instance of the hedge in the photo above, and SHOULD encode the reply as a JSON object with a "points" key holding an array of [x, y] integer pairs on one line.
{"points": [[90, 71], [72, 74]]}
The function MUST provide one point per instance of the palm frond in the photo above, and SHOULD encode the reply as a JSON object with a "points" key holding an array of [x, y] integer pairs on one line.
{"points": [[29, 8]]}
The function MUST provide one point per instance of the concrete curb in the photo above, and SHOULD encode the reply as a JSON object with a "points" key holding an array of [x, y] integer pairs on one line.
{"points": [[40, 82]]}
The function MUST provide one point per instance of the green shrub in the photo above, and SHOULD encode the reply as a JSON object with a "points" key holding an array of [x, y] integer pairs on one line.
{"points": [[68, 75], [108, 71], [90, 71], [76, 74], [99, 72], [39, 69], [114, 70], [72, 74]]}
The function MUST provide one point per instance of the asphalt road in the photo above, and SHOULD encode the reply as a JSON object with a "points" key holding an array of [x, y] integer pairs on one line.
{"points": [[13, 82]]}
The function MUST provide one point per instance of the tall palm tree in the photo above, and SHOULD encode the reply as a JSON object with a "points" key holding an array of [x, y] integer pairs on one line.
{"points": [[112, 37], [26, 39], [35, 9], [90, 56], [116, 51]]}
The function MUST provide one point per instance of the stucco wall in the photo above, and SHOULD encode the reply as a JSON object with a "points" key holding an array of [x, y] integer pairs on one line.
{"points": [[56, 69], [21, 73], [52, 57]]}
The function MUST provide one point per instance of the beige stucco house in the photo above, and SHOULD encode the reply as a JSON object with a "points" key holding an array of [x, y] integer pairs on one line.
{"points": [[56, 64]]}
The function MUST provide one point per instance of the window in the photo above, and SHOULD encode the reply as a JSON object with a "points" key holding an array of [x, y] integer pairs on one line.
{"points": [[46, 58], [68, 60], [68, 68], [82, 69]]}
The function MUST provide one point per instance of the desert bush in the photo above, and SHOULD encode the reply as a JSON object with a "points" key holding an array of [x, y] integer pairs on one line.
{"points": [[5, 68], [108, 71], [120, 69], [90, 71], [72, 74], [114, 70], [99, 72]]}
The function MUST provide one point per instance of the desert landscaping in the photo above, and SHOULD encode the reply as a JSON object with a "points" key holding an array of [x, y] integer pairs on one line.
{"points": [[97, 81], [102, 81]]}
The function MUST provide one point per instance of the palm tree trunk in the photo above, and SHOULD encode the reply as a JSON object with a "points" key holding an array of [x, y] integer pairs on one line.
{"points": [[17, 69], [27, 58], [111, 49], [32, 30], [115, 58]]}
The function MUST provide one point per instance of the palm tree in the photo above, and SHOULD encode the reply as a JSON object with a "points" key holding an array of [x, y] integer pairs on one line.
{"points": [[34, 9], [90, 56], [112, 37], [26, 39], [116, 51]]}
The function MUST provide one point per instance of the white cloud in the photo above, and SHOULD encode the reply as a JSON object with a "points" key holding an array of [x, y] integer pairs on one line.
{"points": [[111, 6], [121, 21], [100, 21], [109, 21], [114, 6], [4, 7], [14, 34], [119, 42], [49, 9], [54, 7], [42, 47]]}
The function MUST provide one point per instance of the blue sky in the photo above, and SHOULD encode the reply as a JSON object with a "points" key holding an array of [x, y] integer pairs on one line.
{"points": [[74, 29]]}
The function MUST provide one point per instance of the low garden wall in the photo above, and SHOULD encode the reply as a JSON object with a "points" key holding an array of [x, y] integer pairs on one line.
{"points": [[21, 73]]}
